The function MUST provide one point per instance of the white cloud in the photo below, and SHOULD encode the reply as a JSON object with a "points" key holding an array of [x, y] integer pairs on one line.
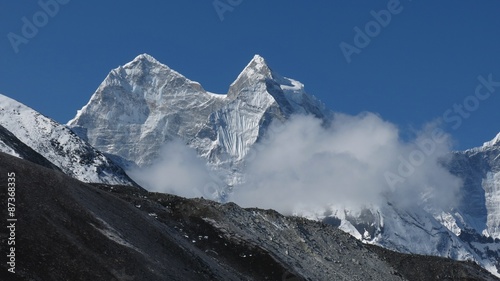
{"points": [[307, 165], [178, 170]]}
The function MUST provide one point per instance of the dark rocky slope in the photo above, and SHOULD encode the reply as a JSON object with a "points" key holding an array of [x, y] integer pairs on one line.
{"points": [[68, 230]]}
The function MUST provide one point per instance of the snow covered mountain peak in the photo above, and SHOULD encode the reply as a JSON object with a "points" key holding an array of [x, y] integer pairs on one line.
{"points": [[260, 86], [145, 69], [144, 58], [493, 142], [256, 72], [144, 104], [257, 63], [259, 59]]}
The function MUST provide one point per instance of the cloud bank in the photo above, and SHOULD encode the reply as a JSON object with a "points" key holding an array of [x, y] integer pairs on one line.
{"points": [[354, 160], [178, 170]]}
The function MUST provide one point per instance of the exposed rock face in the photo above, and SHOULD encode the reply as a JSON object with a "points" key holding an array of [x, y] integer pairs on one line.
{"points": [[477, 220], [480, 169]]}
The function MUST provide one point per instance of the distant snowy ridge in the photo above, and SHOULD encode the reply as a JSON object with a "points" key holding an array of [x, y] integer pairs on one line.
{"points": [[57, 144], [480, 167], [493, 142], [478, 217]]}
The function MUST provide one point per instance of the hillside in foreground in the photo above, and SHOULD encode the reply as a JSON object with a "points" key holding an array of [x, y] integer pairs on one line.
{"points": [[69, 230]]}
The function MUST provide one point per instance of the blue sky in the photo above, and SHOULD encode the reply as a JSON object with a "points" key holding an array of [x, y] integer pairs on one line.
{"points": [[419, 67]]}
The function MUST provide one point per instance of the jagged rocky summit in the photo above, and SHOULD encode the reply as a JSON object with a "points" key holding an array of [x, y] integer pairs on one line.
{"points": [[144, 104]]}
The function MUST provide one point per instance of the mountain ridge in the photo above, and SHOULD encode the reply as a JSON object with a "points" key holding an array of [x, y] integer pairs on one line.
{"points": [[161, 106], [57, 144]]}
